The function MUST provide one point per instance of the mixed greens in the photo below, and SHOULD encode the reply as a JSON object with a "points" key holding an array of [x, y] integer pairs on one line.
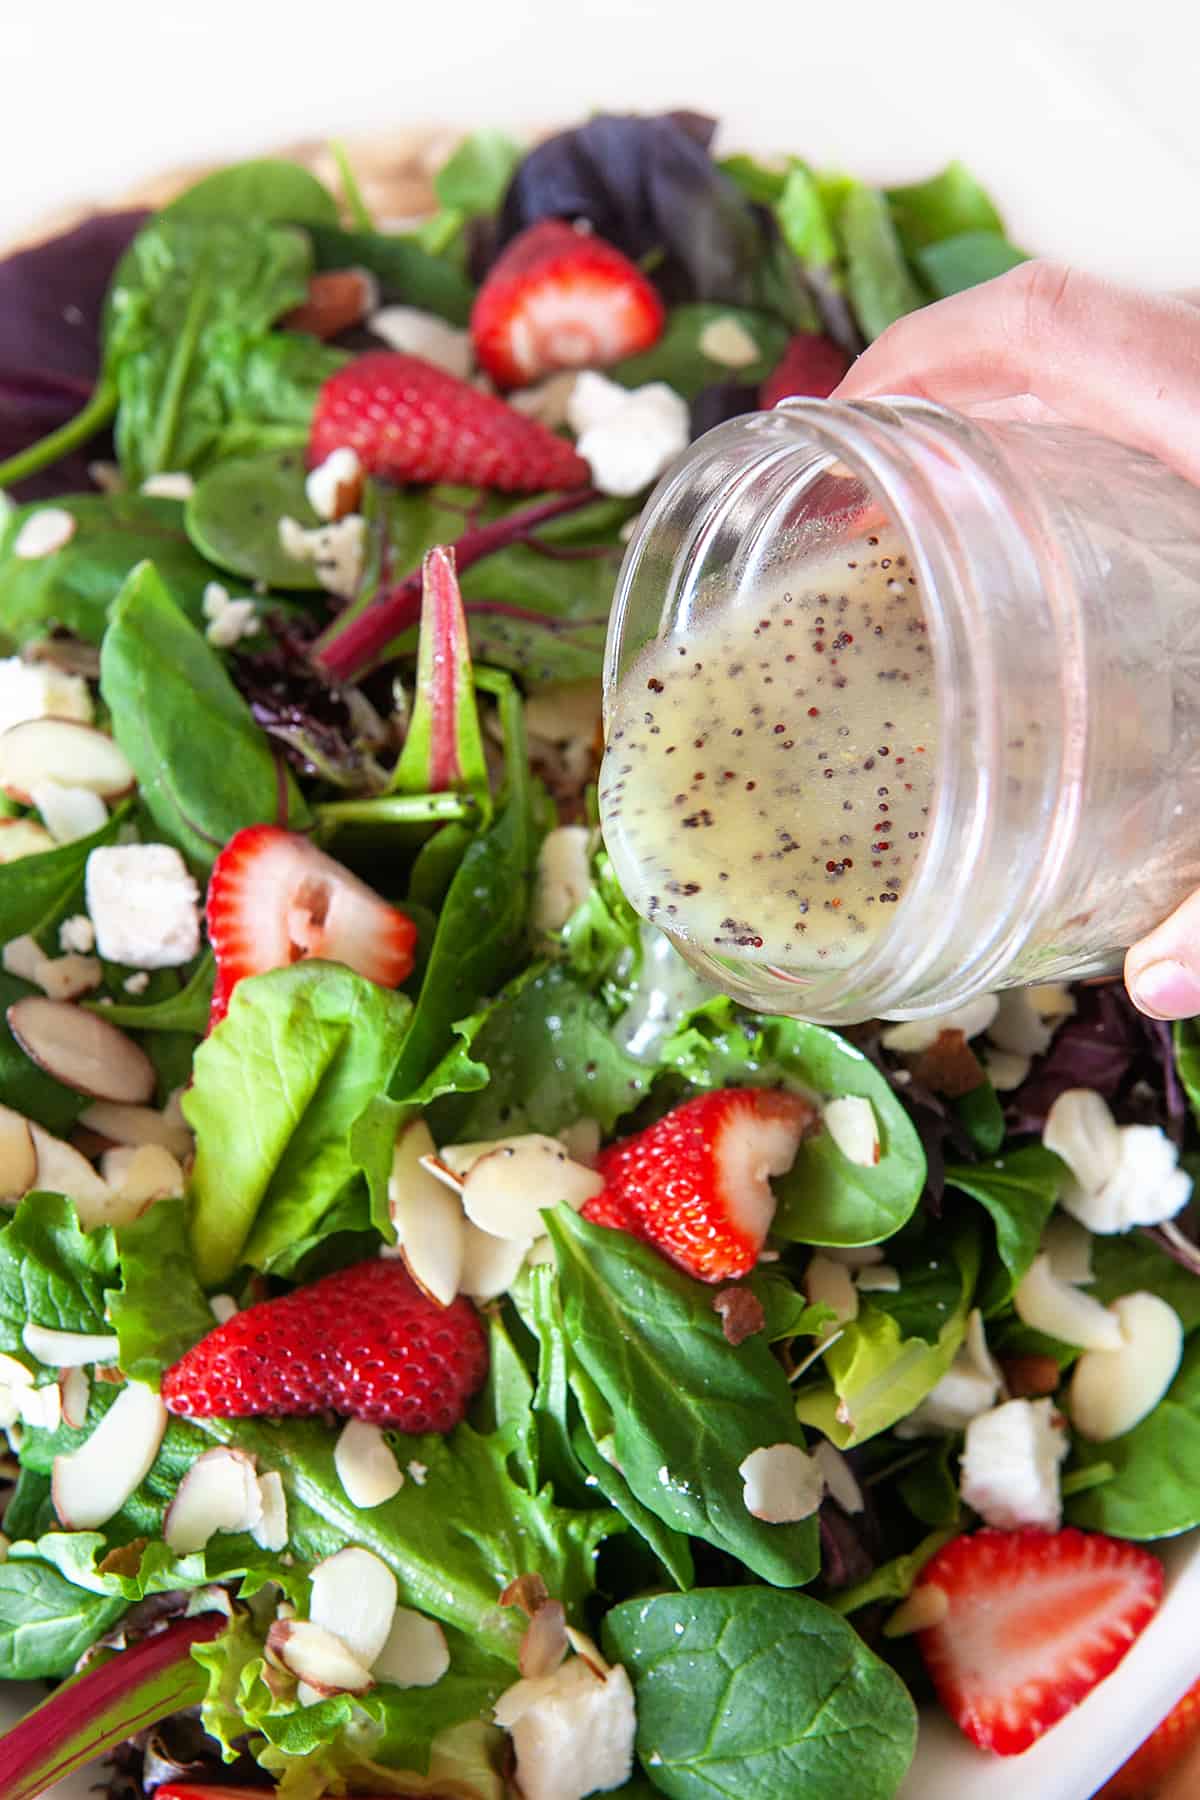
{"points": [[604, 1453]]}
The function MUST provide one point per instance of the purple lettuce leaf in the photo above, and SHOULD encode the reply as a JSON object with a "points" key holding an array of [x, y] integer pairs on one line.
{"points": [[51, 308], [1109, 1046]]}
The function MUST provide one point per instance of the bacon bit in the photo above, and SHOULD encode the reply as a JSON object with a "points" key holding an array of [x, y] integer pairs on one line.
{"points": [[337, 299], [529, 1592], [741, 1313], [949, 1066], [126, 1559], [1030, 1377]]}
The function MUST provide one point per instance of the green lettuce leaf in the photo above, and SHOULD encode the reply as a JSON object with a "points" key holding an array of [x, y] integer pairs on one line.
{"points": [[52, 1273], [46, 1622], [944, 206], [160, 1310], [892, 1580]]}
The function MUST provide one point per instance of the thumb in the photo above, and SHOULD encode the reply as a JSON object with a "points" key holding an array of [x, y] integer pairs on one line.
{"points": [[1162, 973]]}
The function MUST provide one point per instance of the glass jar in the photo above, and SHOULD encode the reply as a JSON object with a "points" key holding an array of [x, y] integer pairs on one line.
{"points": [[1059, 576]]}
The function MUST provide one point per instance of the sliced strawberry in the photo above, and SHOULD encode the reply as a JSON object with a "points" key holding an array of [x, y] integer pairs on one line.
{"points": [[811, 365], [561, 299], [408, 421], [273, 899], [1035, 1620], [695, 1184], [1163, 1751]]}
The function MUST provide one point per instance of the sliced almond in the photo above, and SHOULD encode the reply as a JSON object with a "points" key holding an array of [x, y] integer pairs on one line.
{"points": [[564, 877], [365, 1464], [924, 1608], [1064, 1312], [41, 1407], [490, 1264], [76, 1391], [81, 1049], [427, 1216], [96, 1480], [68, 1349], [1018, 1026], [415, 1653], [139, 1125], [43, 532], [62, 1170], [218, 1493], [68, 813], [139, 1174], [781, 1484], [1006, 1069], [851, 1123], [581, 1140], [829, 1283], [1068, 1244], [838, 1476], [914, 1035], [23, 956], [587, 1650], [65, 751], [505, 1191], [18, 1156], [22, 837], [271, 1531], [13, 1373], [854, 1256], [354, 1595], [1081, 1129], [317, 1658], [544, 1643], [223, 1307], [1113, 1390]]}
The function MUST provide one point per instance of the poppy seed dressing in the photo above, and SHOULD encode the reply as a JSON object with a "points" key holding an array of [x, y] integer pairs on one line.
{"points": [[768, 774]]}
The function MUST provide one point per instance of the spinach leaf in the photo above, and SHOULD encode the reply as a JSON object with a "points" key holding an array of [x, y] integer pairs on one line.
{"points": [[46, 1623], [679, 357], [1186, 1044], [892, 1580], [315, 1044], [38, 892], [929, 1488], [1019, 1191], [203, 766], [1154, 1491], [52, 1273], [825, 1199], [24, 1086], [756, 1693], [688, 1407], [874, 1375], [1133, 1263], [879, 283], [475, 175], [930, 1288], [183, 1013], [233, 517], [159, 1311], [405, 270], [944, 206], [963, 262], [982, 1117], [75, 587], [267, 188]]}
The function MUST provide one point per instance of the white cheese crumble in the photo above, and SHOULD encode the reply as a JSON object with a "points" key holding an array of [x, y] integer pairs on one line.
{"points": [[337, 551], [627, 436], [144, 905], [1010, 1465]]}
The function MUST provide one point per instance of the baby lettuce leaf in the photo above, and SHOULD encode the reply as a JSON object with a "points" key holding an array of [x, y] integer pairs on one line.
{"points": [[946, 205], [757, 1693], [269, 189], [825, 1199], [315, 1044], [892, 1580], [233, 517], [160, 1310], [474, 177], [405, 269], [203, 766], [874, 1374], [184, 1012], [75, 587], [879, 283], [687, 1406], [1154, 1491], [46, 1622], [52, 1273], [1019, 1191], [679, 357], [24, 1086], [963, 262], [1133, 1263]]}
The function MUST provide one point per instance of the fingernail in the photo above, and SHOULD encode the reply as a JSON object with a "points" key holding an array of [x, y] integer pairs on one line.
{"points": [[1167, 990]]}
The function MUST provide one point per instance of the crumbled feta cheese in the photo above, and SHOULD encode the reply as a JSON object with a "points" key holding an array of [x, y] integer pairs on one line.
{"points": [[628, 437], [418, 1472], [214, 599], [337, 551], [144, 905], [912, 1036], [334, 487], [726, 340], [423, 334], [137, 984], [781, 1483], [1010, 1465], [43, 532], [77, 933], [236, 621], [68, 813], [23, 957], [66, 977], [969, 1387], [40, 691], [170, 485], [1146, 1187], [572, 1731]]}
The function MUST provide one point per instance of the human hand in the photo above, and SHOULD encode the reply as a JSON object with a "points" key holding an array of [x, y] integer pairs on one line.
{"points": [[1048, 342]]}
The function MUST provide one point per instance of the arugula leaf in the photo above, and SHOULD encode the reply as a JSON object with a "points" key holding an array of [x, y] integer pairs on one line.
{"points": [[52, 1273], [892, 1580], [1019, 1191], [234, 512], [825, 1199], [76, 586], [879, 283], [758, 1693], [46, 1623], [160, 1310], [203, 766], [1154, 1491], [268, 188], [688, 1407], [315, 1044], [874, 1374], [404, 268], [679, 357], [475, 175], [944, 206]]}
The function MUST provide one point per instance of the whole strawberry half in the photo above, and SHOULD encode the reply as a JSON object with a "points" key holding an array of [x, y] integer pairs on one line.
{"points": [[364, 1341], [811, 365], [1035, 1620], [274, 898], [695, 1185], [409, 421], [1177, 1738], [558, 298]]}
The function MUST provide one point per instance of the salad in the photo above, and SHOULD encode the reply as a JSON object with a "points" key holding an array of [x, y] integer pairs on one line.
{"points": [[444, 1347]]}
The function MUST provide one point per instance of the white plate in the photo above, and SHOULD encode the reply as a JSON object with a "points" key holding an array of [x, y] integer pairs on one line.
{"points": [[889, 92]]}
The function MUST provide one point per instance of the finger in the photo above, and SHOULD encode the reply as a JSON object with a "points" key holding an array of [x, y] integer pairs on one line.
{"points": [[1162, 973], [1123, 363]]}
